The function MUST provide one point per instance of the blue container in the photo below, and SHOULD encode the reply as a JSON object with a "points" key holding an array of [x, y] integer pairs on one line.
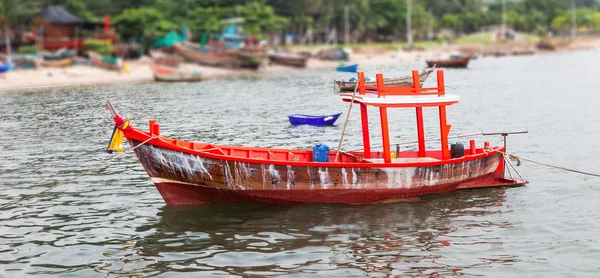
{"points": [[320, 153]]}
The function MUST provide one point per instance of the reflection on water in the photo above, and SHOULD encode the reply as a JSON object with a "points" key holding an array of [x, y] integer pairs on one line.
{"points": [[333, 240], [113, 221]]}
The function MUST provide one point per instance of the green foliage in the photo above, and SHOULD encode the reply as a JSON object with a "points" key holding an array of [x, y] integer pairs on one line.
{"points": [[28, 49], [102, 47], [143, 24], [78, 8]]}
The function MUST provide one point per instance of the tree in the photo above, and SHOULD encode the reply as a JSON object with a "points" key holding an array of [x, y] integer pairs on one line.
{"points": [[144, 24]]}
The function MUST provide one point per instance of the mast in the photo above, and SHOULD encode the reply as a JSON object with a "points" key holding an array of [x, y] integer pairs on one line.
{"points": [[573, 21], [409, 38], [503, 19]]}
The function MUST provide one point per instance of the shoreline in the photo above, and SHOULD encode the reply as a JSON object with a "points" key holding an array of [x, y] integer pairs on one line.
{"points": [[139, 70]]}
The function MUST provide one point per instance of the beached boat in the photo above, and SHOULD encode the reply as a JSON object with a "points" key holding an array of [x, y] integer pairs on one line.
{"points": [[390, 81], [187, 173], [57, 63], [6, 66], [350, 68], [208, 58], [247, 59], [302, 119], [60, 54], [165, 59], [27, 61], [110, 63], [164, 74], [287, 59], [455, 62]]}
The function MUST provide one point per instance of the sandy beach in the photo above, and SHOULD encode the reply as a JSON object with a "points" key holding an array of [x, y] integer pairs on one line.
{"points": [[139, 70]]}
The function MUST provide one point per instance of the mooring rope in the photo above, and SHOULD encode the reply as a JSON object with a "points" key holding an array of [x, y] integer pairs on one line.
{"points": [[519, 158], [76, 177], [346, 122]]}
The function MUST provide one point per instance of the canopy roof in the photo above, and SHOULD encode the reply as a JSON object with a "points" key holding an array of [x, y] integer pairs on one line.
{"points": [[57, 14], [169, 40]]}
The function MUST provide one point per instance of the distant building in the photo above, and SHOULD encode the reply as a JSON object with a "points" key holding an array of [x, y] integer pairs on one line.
{"points": [[56, 28]]}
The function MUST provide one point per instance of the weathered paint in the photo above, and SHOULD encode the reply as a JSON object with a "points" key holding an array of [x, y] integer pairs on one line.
{"points": [[166, 166]]}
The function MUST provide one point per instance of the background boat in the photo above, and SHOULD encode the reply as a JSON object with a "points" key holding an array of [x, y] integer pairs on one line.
{"points": [[109, 63], [393, 81], [57, 63], [302, 119], [208, 58], [161, 58], [287, 59], [350, 68], [450, 63], [164, 74]]}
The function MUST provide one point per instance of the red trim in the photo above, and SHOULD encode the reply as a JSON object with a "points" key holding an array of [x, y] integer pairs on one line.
{"points": [[385, 135], [231, 153], [364, 116], [420, 131]]}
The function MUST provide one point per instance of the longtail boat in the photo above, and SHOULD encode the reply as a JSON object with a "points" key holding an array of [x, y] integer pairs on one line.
{"points": [[165, 59], [164, 74], [109, 63], [450, 63], [57, 63], [393, 81], [187, 173], [210, 58], [286, 59]]}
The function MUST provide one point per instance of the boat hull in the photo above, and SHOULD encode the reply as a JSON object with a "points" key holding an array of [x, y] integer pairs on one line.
{"points": [[287, 60], [313, 120], [351, 68], [397, 81], [184, 178], [209, 59], [451, 63]]}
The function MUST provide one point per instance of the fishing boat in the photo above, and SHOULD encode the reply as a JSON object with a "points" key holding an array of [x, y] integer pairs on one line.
{"points": [[188, 172], [390, 81], [27, 61], [110, 63], [60, 54], [247, 59], [208, 58], [287, 59], [350, 68], [302, 119], [57, 63], [165, 59], [454, 62], [164, 74]]}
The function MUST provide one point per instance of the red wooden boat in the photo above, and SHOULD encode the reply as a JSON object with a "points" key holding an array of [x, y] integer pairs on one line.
{"points": [[450, 63], [188, 173]]}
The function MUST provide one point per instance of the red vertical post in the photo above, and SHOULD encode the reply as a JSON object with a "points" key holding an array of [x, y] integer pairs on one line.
{"points": [[440, 81], [379, 82], [156, 130], [420, 132], [416, 82], [385, 134], [364, 116], [472, 146], [444, 130], [361, 83], [151, 124]]}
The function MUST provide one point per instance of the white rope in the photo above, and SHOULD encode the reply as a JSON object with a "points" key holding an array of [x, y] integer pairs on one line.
{"points": [[518, 158], [76, 177]]}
